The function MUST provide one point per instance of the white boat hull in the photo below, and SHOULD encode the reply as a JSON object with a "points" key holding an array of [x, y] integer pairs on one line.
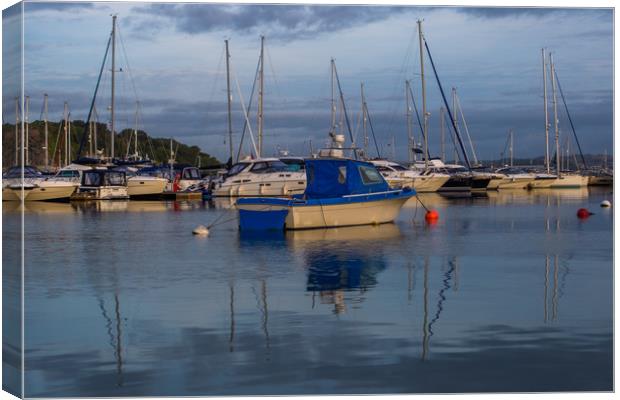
{"points": [[42, 192], [145, 186], [270, 188], [565, 181], [366, 213], [102, 193], [515, 183]]}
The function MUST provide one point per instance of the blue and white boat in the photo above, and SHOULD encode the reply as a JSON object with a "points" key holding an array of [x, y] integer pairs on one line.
{"points": [[339, 192]]}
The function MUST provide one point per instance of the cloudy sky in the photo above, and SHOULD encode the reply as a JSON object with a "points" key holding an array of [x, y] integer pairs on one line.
{"points": [[171, 56]]}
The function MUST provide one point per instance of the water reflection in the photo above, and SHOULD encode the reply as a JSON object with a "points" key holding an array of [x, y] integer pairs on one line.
{"points": [[342, 260]]}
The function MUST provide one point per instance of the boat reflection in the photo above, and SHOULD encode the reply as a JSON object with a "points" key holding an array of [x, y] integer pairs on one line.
{"points": [[342, 263], [539, 196]]}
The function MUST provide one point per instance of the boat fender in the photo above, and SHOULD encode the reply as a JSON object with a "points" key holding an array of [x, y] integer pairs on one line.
{"points": [[201, 230]]}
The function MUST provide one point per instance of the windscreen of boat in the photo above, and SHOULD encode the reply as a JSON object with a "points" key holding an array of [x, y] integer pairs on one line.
{"points": [[265, 167], [294, 165], [191, 173], [235, 169], [398, 167], [16, 172], [91, 178], [370, 175], [115, 178]]}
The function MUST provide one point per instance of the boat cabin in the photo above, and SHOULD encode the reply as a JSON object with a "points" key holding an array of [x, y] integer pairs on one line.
{"points": [[100, 178]]}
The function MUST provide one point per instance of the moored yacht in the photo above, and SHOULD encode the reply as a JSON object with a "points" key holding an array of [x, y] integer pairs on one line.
{"points": [[34, 186], [514, 178], [102, 184], [261, 177], [397, 175]]}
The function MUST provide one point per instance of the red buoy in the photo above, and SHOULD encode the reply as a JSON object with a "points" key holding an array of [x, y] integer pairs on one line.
{"points": [[583, 213], [431, 216]]}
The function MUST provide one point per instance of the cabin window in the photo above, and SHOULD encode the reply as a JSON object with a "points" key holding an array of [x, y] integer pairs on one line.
{"points": [[92, 179], [115, 179], [191, 173], [342, 174], [370, 175], [259, 167]]}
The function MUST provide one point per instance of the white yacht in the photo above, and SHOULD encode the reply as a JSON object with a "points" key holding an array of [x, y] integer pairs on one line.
{"points": [[102, 184], [514, 178], [397, 175], [34, 186], [261, 177]]}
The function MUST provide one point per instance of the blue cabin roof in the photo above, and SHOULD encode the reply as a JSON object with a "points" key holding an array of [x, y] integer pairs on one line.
{"points": [[336, 177]]}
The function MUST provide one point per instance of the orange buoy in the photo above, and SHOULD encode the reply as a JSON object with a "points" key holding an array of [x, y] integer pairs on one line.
{"points": [[583, 213], [431, 216]]}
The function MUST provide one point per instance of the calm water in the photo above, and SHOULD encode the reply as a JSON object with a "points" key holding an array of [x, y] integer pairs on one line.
{"points": [[508, 292]]}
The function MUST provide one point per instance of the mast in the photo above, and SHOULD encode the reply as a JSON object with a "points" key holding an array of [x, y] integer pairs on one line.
{"points": [[547, 160], [442, 123], [68, 161], [112, 93], [364, 120], [229, 100], [410, 152], [333, 103], [66, 117], [95, 130], [17, 131], [26, 120], [46, 132], [424, 113], [454, 121], [555, 118], [260, 96], [511, 147]]}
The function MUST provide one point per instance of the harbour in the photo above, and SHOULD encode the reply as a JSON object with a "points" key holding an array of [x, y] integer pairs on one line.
{"points": [[431, 215], [394, 307]]}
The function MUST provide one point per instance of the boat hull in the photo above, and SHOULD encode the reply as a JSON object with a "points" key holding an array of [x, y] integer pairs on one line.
{"points": [[564, 182], [371, 209], [101, 193], [145, 186], [431, 183], [515, 183], [39, 192], [266, 188], [594, 180]]}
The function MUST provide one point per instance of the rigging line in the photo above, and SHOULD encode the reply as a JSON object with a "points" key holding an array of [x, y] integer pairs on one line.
{"points": [[246, 122], [120, 36], [245, 114], [445, 116], [344, 109], [443, 95], [105, 56], [583, 160], [402, 73], [471, 144], [273, 74], [417, 114], [218, 74], [372, 130]]}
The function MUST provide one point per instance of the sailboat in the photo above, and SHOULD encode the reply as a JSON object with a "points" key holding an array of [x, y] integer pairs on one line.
{"points": [[259, 176], [559, 180]]}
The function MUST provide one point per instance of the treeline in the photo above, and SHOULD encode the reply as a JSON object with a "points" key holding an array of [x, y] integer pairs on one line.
{"points": [[156, 149]]}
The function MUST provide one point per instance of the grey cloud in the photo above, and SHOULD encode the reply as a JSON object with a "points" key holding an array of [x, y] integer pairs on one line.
{"points": [[281, 22], [35, 6], [537, 12]]}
